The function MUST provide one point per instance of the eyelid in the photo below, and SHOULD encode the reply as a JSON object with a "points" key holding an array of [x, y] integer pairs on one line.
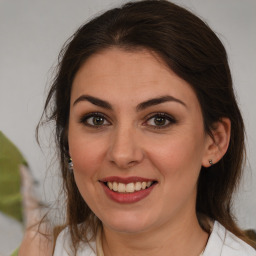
{"points": [[85, 117], [169, 117]]}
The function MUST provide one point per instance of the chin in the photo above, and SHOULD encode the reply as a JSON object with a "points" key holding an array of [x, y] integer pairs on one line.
{"points": [[127, 228], [127, 224]]}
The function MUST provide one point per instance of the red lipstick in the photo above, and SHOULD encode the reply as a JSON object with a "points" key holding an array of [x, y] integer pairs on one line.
{"points": [[127, 197]]}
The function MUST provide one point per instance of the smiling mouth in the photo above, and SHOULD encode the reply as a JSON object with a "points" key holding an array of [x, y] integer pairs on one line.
{"points": [[132, 187]]}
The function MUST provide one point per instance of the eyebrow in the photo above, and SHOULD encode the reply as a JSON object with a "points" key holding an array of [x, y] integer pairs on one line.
{"points": [[94, 101], [156, 101], [140, 107]]}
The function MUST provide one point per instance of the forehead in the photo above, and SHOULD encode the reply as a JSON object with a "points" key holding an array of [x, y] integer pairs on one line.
{"points": [[133, 75]]}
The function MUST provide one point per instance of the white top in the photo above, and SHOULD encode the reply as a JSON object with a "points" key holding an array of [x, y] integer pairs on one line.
{"points": [[221, 243]]}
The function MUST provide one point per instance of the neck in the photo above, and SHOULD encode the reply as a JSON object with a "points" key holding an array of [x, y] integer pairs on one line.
{"points": [[184, 236]]}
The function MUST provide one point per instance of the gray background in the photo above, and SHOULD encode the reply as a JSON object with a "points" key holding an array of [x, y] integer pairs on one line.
{"points": [[31, 35]]}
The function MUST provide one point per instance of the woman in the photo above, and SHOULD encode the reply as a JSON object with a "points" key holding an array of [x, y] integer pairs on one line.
{"points": [[150, 136]]}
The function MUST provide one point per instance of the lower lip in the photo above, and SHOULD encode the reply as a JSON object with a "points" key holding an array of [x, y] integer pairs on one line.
{"points": [[127, 198]]}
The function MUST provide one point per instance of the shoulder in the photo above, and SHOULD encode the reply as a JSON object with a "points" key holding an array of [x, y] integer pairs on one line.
{"points": [[222, 242], [63, 246]]}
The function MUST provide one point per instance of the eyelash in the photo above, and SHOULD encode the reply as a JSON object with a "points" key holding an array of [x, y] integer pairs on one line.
{"points": [[167, 117], [84, 120]]}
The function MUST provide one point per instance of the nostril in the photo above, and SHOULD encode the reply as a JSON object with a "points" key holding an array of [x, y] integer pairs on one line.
{"points": [[132, 163]]}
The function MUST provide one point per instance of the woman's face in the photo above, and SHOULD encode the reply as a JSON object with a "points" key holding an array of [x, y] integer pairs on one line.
{"points": [[137, 140]]}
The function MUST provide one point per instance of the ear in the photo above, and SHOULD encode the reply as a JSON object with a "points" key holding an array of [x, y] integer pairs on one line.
{"points": [[217, 145]]}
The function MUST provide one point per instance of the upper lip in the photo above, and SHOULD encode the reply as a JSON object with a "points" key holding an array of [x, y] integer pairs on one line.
{"points": [[125, 180]]}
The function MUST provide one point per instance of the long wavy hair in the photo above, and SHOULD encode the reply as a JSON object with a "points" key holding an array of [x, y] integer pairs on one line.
{"points": [[192, 50]]}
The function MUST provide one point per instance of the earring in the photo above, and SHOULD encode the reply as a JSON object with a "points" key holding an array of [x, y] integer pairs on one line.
{"points": [[210, 162], [70, 164]]}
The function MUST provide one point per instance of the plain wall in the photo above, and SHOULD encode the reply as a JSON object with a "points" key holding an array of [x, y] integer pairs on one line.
{"points": [[31, 35]]}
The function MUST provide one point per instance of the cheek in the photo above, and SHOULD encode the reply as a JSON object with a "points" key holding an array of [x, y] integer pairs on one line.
{"points": [[87, 156], [178, 156], [179, 164], [87, 153]]}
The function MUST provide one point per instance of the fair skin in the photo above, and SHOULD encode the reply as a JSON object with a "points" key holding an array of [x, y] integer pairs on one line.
{"points": [[127, 144], [116, 132]]}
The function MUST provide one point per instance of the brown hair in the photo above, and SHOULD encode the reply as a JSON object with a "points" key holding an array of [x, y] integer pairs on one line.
{"points": [[193, 51]]}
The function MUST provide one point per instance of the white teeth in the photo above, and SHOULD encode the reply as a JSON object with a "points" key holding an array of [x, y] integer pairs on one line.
{"points": [[110, 185], [115, 188], [128, 188], [121, 187], [138, 186]]}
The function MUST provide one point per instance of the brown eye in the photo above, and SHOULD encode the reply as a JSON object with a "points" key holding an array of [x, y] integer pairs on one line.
{"points": [[160, 120], [95, 120], [98, 120]]}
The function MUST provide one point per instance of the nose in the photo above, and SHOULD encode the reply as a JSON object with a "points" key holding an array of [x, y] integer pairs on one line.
{"points": [[124, 149]]}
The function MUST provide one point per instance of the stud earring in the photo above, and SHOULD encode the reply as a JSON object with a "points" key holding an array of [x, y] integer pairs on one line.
{"points": [[210, 162], [70, 164]]}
